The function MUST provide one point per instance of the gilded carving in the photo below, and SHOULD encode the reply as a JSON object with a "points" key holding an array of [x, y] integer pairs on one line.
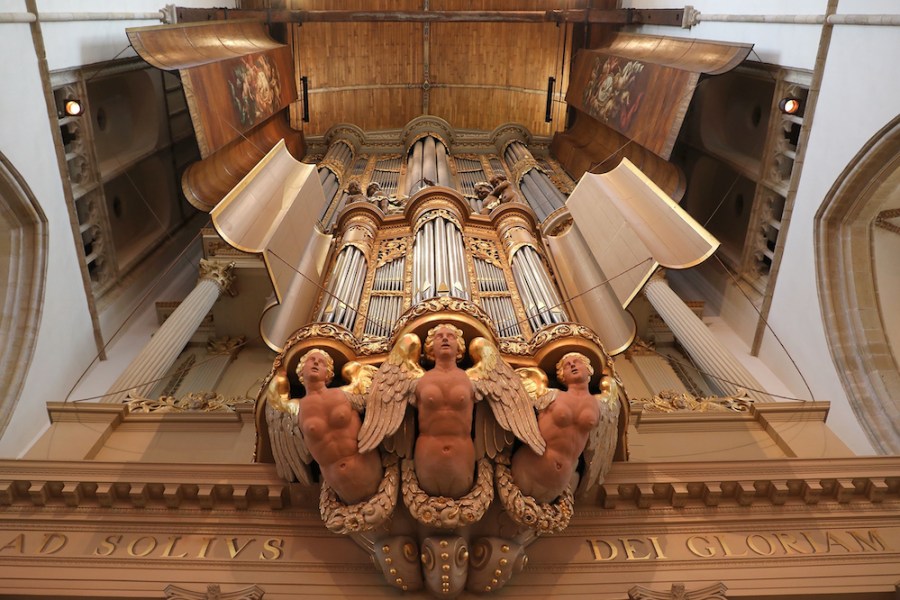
{"points": [[391, 250], [669, 401], [220, 272], [409, 422], [191, 402], [486, 250], [679, 592], [214, 592], [225, 346]]}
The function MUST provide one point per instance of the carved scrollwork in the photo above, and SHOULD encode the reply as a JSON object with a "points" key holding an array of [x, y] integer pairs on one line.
{"points": [[391, 250], [486, 250], [443, 512], [669, 401], [364, 516], [435, 214], [541, 517], [445, 303], [192, 402]]}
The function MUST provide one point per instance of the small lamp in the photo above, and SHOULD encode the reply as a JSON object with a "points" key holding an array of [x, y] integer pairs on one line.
{"points": [[73, 107], [789, 106]]}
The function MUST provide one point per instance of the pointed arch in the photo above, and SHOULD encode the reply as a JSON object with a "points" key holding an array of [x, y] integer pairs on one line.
{"points": [[23, 270]]}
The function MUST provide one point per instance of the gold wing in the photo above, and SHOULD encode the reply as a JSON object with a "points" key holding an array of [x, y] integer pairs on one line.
{"points": [[601, 445], [393, 390], [292, 457], [360, 377], [535, 382], [495, 381]]}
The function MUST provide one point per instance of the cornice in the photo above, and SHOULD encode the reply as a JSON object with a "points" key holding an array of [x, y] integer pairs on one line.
{"points": [[822, 483]]}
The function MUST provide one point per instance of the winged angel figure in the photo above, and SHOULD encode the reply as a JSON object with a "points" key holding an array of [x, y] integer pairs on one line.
{"points": [[444, 399], [323, 426], [573, 422]]}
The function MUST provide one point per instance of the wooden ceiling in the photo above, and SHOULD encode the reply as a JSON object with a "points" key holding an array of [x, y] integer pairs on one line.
{"points": [[380, 75]]}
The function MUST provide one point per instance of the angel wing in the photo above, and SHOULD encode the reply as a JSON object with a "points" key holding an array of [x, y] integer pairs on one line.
{"points": [[393, 390], [535, 382], [292, 457], [601, 444], [360, 378], [496, 382]]}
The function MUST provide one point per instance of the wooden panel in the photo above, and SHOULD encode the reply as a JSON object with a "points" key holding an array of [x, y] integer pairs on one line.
{"points": [[641, 85], [370, 109], [182, 46], [592, 146], [206, 182], [485, 109]]}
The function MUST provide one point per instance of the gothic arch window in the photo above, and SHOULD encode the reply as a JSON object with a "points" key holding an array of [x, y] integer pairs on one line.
{"points": [[23, 267], [857, 242]]}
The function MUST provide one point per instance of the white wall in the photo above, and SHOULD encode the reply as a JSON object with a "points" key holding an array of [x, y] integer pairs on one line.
{"points": [[781, 44], [857, 98], [65, 344]]}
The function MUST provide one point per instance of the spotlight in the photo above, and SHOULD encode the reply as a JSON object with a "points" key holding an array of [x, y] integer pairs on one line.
{"points": [[73, 108], [789, 106]]}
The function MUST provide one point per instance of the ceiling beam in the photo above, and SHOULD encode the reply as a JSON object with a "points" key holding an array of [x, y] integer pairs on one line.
{"points": [[624, 16]]}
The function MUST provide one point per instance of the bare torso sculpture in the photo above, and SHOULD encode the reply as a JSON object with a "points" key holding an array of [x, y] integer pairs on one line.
{"points": [[565, 424], [445, 399], [330, 425]]}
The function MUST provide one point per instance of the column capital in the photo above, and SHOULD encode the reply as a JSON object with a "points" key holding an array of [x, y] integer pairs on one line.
{"points": [[225, 346], [659, 276], [220, 272]]}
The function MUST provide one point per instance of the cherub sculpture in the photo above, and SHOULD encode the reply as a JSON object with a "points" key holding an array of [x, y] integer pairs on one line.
{"points": [[354, 192], [503, 192], [444, 398], [322, 426], [572, 422]]}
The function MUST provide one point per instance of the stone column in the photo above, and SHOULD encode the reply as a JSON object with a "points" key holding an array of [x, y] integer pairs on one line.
{"points": [[173, 335], [708, 354]]}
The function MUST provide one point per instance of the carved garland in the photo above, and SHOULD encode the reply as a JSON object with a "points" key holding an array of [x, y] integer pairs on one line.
{"points": [[364, 516], [525, 510], [443, 512]]}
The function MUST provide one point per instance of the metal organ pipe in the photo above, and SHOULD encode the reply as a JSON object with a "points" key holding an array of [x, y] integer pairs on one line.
{"points": [[536, 288], [429, 161], [414, 173], [443, 167]]}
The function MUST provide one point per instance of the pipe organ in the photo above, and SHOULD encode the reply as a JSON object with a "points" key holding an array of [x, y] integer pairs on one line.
{"points": [[437, 239]]}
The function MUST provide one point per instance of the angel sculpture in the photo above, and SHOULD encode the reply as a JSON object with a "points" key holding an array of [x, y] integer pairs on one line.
{"points": [[572, 422], [323, 426], [445, 398]]}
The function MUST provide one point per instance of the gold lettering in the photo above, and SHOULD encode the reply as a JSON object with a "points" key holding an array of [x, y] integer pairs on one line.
{"points": [[49, 540], [109, 545], [234, 549], [659, 553], [752, 545], [726, 548], [816, 548], [710, 550], [275, 546], [17, 544], [630, 550], [598, 555], [150, 548], [870, 545], [207, 542], [832, 539], [789, 542], [167, 552]]}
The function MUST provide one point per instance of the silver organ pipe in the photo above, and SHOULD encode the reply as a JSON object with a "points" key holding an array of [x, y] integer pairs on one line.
{"points": [[414, 171], [384, 309], [500, 308], [443, 167], [439, 267], [539, 296], [344, 289], [429, 160]]}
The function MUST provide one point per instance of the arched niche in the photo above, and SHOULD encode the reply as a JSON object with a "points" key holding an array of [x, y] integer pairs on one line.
{"points": [[23, 268], [858, 280]]}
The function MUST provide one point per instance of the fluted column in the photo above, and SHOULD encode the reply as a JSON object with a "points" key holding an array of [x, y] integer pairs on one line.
{"points": [[173, 335], [710, 356]]}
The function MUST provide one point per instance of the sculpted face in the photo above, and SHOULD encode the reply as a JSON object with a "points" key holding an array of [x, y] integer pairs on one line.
{"points": [[315, 365], [574, 368], [445, 341], [354, 188], [483, 189]]}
